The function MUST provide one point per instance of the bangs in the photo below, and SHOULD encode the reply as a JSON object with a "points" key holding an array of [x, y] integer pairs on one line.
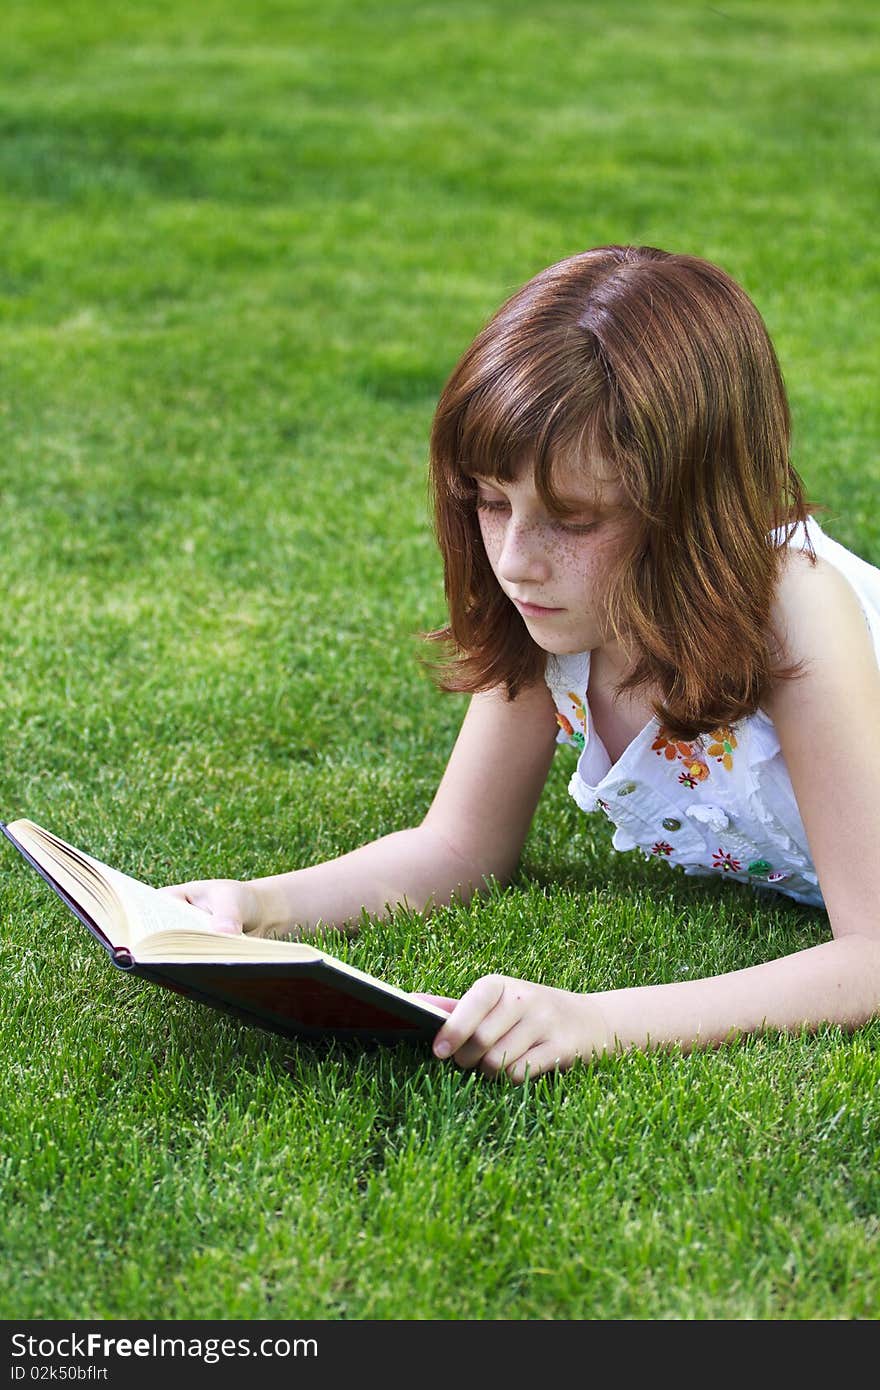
{"points": [[520, 419]]}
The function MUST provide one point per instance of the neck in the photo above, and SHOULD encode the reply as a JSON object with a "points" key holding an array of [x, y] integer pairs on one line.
{"points": [[612, 660]]}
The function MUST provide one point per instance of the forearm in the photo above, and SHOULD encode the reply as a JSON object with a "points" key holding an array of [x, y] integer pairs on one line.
{"points": [[412, 866], [837, 982]]}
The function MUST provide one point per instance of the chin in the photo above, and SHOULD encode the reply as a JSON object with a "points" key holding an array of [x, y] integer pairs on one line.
{"points": [[564, 646]]}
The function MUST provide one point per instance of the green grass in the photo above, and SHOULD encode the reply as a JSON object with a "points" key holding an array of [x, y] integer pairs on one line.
{"points": [[242, 249]]}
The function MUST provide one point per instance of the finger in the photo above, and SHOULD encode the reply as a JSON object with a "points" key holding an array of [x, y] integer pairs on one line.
{"points": [[225, 926], [488, 1037], [509, 1048], [536, 1061], [441, 1000], [471, 1009], [488, 1010]]}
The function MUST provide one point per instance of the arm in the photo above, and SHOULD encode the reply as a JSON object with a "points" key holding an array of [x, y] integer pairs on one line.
{"points": [[826, 721], [475, 829]]}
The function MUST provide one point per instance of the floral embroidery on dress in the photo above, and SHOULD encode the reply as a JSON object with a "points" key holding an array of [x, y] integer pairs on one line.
{"points": [[661, 847], [671, 748], [697, 772], [579, 709], [723, 860], [723, 742], [721, 749], [577, 736]]}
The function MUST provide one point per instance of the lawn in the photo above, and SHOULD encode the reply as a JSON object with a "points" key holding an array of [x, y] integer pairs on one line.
{"points": [[242, 248]]}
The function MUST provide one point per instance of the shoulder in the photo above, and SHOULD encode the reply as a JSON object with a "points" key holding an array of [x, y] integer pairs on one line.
{"points": [[826, 720], [532, 702], [816, 615], [820, 628]]}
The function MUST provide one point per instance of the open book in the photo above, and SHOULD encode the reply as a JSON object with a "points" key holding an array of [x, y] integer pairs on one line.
{"points": [[287, 987]]}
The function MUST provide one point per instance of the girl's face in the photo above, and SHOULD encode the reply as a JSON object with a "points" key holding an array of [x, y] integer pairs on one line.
{"points": [[552, 568]]}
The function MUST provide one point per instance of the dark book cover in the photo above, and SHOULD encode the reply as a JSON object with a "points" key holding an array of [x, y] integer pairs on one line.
{"points": [[295, 998]]}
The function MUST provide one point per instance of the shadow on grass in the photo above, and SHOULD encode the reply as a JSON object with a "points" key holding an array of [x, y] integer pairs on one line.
{"points": [[631, 876]]}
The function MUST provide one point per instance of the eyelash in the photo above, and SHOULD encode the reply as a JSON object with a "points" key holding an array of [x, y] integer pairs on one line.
{"points": [[571, 528]]}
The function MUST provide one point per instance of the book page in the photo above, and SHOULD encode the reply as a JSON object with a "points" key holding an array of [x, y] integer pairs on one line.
{"points": [[138, 918], [164, 928], [148, 911], [79, 878]]}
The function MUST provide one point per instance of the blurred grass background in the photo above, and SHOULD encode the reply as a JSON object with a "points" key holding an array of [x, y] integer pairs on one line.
{"points": [[241, 252]]}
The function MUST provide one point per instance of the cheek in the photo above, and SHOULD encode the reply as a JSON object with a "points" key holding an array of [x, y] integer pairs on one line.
{"points": [[586, 561], [579, 556], [492, 532]]}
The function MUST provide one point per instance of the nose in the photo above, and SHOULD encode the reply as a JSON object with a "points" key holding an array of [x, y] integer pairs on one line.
{"points": [[523, 558]]}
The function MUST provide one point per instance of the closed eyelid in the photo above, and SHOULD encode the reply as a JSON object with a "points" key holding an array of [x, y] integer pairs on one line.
{"points": [[564, 524], [568, 506], [583, 512]]}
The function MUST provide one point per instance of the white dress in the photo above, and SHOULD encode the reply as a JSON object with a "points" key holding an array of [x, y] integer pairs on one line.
{"points": [[721, 804]]}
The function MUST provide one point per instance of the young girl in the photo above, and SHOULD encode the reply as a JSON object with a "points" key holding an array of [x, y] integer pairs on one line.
{"points": [[632, 568]]}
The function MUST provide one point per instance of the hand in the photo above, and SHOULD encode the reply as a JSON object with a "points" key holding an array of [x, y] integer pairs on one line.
{"points": [[231, 906], [513, 1026]]}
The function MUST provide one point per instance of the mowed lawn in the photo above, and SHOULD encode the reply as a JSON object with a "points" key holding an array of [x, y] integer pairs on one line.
{"points": [[242, 248]]}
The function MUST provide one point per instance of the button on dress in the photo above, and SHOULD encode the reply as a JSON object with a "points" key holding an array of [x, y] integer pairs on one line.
{"points": [[720, 804]]}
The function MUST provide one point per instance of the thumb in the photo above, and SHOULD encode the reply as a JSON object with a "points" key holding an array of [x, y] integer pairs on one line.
{"points": [[217, 921], [226, 926], [441, 1000], [196, 896]]}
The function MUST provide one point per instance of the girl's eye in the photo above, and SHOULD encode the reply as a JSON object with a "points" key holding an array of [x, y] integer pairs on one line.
{"points": [[571, 528]]}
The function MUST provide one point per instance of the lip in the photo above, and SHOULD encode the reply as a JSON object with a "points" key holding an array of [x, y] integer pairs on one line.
{"points": [[534, 610]]}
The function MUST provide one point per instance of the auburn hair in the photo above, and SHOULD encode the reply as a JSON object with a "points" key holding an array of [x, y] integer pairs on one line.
{"points": [[659, 367]]}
